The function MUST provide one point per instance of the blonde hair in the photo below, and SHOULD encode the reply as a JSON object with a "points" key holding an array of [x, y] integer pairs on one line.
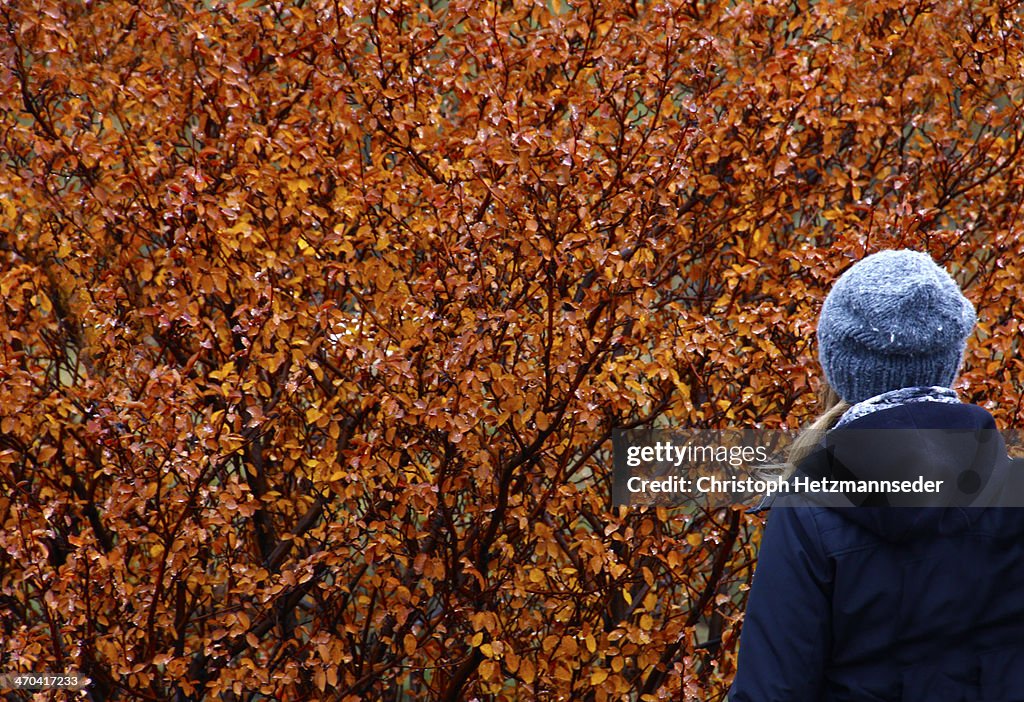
{"points": [[810, 436]]}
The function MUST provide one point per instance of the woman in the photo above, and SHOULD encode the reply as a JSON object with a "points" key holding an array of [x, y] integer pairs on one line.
{"points": [[874, 594]]}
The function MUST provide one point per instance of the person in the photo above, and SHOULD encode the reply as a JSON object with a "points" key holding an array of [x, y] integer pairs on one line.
{"points": [[875, 594]]}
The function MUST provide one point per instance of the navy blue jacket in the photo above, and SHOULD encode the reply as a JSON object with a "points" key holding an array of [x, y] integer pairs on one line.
{"points": [[904, 596]]}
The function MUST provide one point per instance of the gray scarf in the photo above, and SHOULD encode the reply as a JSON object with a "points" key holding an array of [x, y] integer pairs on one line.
{"points": [[895, 398]]}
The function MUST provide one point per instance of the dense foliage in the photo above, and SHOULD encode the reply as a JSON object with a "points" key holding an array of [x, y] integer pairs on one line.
{"points": [[317, 318]]}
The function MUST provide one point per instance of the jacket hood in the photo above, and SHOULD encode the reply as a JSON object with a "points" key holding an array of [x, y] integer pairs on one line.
{"points": [[954, 447]]}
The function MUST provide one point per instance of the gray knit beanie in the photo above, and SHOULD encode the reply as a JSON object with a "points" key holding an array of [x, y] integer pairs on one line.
{"points": [[893, 320]]}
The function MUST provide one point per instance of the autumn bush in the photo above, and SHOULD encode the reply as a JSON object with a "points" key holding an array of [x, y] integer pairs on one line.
{"points": [[318, 316]]}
